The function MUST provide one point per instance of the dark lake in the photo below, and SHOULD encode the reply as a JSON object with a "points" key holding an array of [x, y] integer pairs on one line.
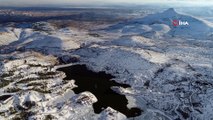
{"points": [[100, 83]]}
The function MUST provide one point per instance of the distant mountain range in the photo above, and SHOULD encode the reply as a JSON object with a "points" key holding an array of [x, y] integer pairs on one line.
{"points": [[77, 14]]}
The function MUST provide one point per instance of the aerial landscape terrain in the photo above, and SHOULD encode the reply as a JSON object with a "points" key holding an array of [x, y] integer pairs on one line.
{"points": [[145, 62]]}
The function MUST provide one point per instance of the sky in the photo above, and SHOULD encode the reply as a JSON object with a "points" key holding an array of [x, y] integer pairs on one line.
{"points": [[98, 2]]}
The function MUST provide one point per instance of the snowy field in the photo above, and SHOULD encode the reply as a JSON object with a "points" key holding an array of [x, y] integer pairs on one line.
{"points": [[169, 69]]}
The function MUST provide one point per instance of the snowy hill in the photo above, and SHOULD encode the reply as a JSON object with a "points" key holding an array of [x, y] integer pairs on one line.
{"points": [[159, 24], [7, 35], [197, 28], [170, 77]]}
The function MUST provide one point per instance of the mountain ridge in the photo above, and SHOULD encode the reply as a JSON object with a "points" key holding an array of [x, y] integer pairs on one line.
{"points": [[197, 28]]}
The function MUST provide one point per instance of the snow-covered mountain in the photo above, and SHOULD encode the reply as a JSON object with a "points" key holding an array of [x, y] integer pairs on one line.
{"points": [[8, 35], [160, 24], [170, 78]]}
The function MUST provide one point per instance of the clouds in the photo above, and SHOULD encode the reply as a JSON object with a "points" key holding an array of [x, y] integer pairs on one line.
{"points": [[33, 2], [71, 2], [192, 2]]}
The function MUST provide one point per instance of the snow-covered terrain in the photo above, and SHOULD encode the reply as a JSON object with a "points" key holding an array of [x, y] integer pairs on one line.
{"points": [[160, 25], [169, 69]]}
